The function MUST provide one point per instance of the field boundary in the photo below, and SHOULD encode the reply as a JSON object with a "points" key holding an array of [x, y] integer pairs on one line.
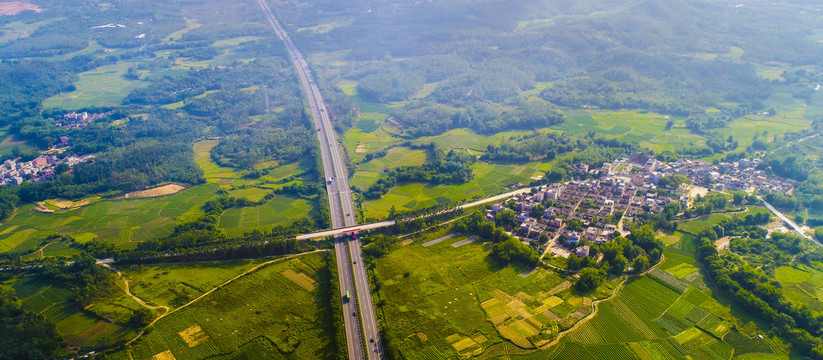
{"points": [[258, 267], [595, 307]]}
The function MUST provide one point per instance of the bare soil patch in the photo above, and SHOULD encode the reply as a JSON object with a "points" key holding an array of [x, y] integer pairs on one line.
{"points": [[95, 330], [16, 7], [165, 355], [9, 141], [194, 335], [300, 279], [43, 206], [158, 191]]}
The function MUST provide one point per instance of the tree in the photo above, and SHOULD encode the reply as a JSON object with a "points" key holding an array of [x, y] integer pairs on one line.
{"points": [[543, 239], [654, 256], [573, 262], [24, 335], [574, 225], [640, 264], [589, 279], [738, 197], [537, 211], [618, 265], [141, 318], [646, 238], [671, 210], [505, 217]]}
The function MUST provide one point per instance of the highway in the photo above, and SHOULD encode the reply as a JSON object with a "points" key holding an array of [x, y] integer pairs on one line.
{"points": [[350, 265]]}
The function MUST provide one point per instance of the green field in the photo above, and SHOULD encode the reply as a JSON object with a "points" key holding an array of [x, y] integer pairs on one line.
{"points": [[126, 222], [271, 313], [803, 284], [122, 222], [103, 86], [441, 301], [278, 211], [367, 173], [694, 226], [173, 285], [490, 178], [645, 129], [98, 325], [666, 316]]}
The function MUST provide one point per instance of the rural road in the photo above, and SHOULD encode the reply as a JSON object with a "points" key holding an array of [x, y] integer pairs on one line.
{"points": [[353, 277], [786, 220], [383, 224]]}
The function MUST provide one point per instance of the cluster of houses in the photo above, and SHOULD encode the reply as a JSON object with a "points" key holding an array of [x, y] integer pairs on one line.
{"points": [[74, 120], [38, 170], [617, 193]]}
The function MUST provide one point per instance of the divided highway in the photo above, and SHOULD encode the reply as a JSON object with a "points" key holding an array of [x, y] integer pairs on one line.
{"points": [[350, 266]]}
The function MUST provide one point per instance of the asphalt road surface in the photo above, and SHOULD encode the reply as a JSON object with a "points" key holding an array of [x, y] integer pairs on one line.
{"points": [[350, 266]]}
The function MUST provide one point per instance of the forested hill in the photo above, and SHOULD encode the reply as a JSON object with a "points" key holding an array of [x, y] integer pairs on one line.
{"points": [[671, 57]]}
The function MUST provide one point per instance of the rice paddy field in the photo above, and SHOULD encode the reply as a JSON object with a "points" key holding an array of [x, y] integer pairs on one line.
{"points": [[173, 285], [450, 299], [645, 129], [280, 320], [490, 178], [803, 284], [121, 222], [668, 314], [98, 325], [126, 222]]}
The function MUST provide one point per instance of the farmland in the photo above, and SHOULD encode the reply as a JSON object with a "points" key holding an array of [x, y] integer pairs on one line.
{"points": [[666, 316], [125, 222], [281, 319], [490, 178], [98, 325], [122, 222], [175, 284], [694, 226], [451, 298], [645, 129], [802, 284]]}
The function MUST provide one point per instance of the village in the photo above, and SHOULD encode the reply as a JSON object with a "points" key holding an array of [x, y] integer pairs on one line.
{"points": [[42, 168], [599, 203]]}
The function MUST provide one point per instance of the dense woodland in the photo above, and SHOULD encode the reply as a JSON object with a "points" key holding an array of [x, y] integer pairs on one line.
{"points": [[24, 335], [646, 55]]}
